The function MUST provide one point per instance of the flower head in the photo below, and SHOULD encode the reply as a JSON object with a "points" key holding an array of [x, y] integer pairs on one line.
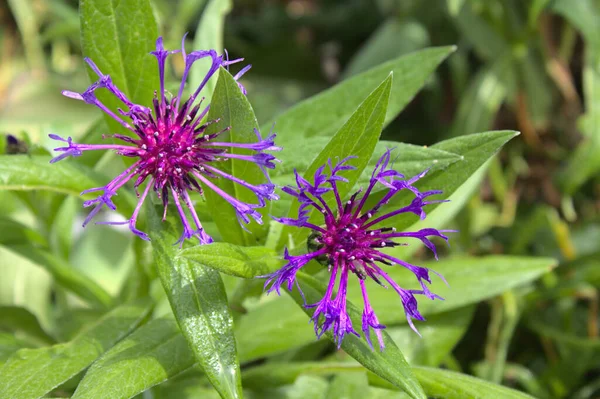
{"points": [[173, 154], [351, 240]]}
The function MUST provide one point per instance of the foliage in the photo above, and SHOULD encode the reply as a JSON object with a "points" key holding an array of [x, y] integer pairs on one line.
{"points": [[99, 313]]}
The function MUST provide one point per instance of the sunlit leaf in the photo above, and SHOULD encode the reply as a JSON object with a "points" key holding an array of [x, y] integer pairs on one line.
{"points": [[31, 373], [199, 302]]}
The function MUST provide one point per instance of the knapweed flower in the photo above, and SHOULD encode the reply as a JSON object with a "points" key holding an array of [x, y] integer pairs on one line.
{"points": [[173, 154], [351, 240]]}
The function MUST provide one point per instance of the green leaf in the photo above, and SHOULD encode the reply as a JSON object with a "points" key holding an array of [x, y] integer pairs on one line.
{"points": [[199, 302], [14, 318], [152, 354], [188, 388], [439, 336], [68, 277], [158, 351], [31, 373], [24, 284], [277, 374], [305, 386], [323, 114], [105, 254], [358, 138], [274, 375], [272, 327], [446, 384], [137, 284], [121, 49], [26, 173], [14, 233], [470, 280], [438, 383], [476, 150], [9, 344], [411, 160], [389, 364], [209, 35], [349, 385], [246, 262], [443, 214], [232, 108], [61, 234], [27, 242], [380, 393], [72, 320], [23, 172]]}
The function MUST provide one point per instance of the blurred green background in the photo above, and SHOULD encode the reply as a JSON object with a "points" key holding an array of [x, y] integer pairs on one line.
{"points": [[531, 65]]}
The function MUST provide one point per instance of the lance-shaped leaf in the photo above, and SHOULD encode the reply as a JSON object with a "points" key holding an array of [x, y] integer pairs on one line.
{"points": [[246, 262], [152, 354], [323, 114], [447, 384], [231, 107], [470, 280], [20, 319], [409, 158], [27, 173], [121, 49], [357, 138], [30, 245], [31, 373], [199, 302], [475, 150]]}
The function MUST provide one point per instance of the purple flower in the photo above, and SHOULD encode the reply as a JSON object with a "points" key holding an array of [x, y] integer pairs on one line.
{"points": [[350, 241], [173, 154]]}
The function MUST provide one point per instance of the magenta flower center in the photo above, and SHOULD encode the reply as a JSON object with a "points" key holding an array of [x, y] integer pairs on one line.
{"points": [[346, 241], [174, 155], [350, 240], [172, 147]]}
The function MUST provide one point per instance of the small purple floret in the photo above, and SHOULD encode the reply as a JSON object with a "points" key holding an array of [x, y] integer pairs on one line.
{"points": [[351, 241], [173, 153]]}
